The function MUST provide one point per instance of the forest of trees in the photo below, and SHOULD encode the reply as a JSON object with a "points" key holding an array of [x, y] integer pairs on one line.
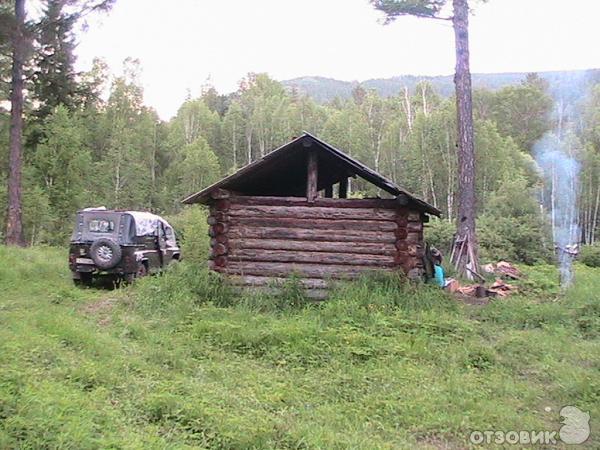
{"points": [[81, 149]]}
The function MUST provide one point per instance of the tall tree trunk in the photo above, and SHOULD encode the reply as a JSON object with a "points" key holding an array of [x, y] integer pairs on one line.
{"points": [[408, 109], [465, 251], [595, 218], [14, 225], [234, 141]]}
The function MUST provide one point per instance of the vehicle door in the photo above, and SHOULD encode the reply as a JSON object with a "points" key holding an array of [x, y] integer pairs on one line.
{"points": [[162, 245]]}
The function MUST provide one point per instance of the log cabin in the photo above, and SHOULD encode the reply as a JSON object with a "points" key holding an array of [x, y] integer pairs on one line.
{"points": [[289, 213]]}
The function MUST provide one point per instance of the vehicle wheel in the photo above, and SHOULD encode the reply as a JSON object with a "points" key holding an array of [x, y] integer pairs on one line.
{"points": [[142, 271], [105, 253]]}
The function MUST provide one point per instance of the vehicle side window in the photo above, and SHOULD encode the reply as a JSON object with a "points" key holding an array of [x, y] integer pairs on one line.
{"points": [[170, 234]]}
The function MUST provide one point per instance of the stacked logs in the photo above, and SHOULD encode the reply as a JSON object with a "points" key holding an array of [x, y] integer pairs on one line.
{"points": [[410, 242], [218, 223], [260, 240]]}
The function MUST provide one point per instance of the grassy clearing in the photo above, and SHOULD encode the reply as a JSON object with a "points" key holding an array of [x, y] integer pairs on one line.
{"points": [[178, 361]]}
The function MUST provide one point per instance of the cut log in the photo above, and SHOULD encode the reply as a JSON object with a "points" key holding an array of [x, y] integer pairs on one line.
{"points": [[220, 261], [219, 216], [219, 228], [219, 193], [218, 239], [273, 269], [291, 256], [317, 224], [402, 220], [401, 245], [401, 234], [402, 199], [311, 246], [219, 250], [414, 216], [220, 205], [316, 212], [248, 232]]}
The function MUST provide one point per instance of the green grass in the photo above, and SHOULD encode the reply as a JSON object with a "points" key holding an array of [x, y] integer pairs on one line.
{"points": [[180, 361]]}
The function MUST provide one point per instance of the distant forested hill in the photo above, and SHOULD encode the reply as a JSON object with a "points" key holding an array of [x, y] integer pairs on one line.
{"points": [[323, 89]]}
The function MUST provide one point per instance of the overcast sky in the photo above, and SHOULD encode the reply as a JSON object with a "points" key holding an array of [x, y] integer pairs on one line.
{"points": [[181, 43]]}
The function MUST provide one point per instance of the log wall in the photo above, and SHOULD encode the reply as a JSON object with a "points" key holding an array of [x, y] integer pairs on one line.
{"points": [[261, 240]]}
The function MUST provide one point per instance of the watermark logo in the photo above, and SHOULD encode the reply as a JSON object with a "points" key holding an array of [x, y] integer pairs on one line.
{"points": [[576, 425], [575, 430]]}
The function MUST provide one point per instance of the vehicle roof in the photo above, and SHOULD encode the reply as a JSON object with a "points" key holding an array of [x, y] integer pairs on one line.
{"points": [[144, 220]]}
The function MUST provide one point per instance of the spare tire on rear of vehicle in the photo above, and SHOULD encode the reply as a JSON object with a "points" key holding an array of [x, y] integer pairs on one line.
{"points": [[105, 253]]}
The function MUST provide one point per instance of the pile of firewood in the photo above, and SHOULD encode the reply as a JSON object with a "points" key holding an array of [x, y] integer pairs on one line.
{"points": [[498, 289], [504, 269]]}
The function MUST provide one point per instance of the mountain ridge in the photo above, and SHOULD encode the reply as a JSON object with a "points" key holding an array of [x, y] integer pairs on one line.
{"points": [[325, 89]]}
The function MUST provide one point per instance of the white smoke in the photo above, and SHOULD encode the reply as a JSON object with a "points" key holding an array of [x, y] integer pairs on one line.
{"points": [[560, 172]]}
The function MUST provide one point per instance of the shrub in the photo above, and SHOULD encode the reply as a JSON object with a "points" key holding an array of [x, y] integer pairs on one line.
{"points": [[511, 226], [440, 234], [192, 232], [590, 255]]}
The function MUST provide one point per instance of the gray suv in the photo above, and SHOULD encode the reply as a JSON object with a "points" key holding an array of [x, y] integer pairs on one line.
{"points": [[123, 245]]}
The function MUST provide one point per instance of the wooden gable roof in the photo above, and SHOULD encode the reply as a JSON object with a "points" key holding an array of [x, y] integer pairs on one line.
{"points": [[282, 172]]}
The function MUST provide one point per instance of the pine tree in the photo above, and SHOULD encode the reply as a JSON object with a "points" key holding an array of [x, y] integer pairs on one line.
{"points": [[464, 254]]}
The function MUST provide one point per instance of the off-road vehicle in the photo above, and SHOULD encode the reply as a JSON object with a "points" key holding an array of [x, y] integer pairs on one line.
{"points": [[121, 244]]}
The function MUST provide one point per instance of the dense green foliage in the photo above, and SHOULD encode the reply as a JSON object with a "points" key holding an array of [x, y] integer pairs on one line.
{"points": [[590, 255], [83, 150], [119, 153], [178, 362]]}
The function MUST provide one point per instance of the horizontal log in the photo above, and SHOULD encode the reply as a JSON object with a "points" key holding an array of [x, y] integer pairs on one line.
{"points": [[293, 256], [272, 269], [319, 202], [414, 237], [414, 226], [248, 232], [312, 212], [252, 280], [312, 246], [317, 224]]}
